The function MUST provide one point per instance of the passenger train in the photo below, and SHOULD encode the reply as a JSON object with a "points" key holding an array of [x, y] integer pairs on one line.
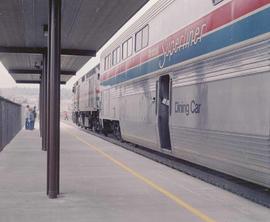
{"points": [[190, 79]]}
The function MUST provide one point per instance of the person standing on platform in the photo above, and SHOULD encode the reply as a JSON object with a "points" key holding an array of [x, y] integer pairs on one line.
{"points": [[31, 119], [27, 116], [35, 116], [65, 115]]}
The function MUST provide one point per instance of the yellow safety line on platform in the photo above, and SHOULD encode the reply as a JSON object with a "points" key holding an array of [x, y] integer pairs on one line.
{"points": [[152, 184]]}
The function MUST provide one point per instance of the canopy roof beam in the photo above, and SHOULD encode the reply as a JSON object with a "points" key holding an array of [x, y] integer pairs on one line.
{"points": [[41, 51], [25, 50], [25, 71], [34, 82], [39, 72]]}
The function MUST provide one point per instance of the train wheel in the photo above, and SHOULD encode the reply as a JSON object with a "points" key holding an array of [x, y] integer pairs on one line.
{"points": [[96, 126], [91, 125], [117, 131], [104, 131]]}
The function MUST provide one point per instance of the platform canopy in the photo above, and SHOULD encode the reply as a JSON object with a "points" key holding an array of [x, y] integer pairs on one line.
{"points": [[86, 26]]}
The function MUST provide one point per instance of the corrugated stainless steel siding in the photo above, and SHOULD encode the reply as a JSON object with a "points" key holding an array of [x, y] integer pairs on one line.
{"points": [[235, 141], [243, 156]]}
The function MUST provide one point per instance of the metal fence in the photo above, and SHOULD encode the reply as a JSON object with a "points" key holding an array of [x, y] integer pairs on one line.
{"points": [[10, 121]]}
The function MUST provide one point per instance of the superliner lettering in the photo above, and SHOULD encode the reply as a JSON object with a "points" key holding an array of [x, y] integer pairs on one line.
{"points": [[179, 43], [163, 52]]}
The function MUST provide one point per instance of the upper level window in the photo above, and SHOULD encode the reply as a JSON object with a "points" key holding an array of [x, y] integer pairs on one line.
{"points": [[116, 56], [107, 62], [83, 78], [142, 38], [215, 2], [127, 48]]}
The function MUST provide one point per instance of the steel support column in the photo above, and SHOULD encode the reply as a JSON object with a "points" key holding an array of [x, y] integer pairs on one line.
{"points": [[40, 106], [44, 102], [48, 95], [54, 100], [47, 88]]}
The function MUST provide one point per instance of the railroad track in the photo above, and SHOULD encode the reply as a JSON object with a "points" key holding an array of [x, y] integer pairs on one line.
{"points": [[248, 190]]}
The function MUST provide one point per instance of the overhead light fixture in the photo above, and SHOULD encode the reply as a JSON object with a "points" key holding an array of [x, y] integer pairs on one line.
{"points": [[45, 30], [37, 65]]}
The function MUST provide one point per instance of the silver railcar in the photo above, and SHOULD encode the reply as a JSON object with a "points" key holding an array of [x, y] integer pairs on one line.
{"points": [[191, 79]]}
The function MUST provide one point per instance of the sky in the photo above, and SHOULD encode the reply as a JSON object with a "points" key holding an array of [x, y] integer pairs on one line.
{"points": [[6, 81]]}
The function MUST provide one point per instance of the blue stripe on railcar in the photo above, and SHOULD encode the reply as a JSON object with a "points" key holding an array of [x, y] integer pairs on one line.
{"points": [[239, 31]]}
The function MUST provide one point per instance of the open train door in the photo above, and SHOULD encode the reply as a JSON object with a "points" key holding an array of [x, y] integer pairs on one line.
{"points": [[163, 109]]}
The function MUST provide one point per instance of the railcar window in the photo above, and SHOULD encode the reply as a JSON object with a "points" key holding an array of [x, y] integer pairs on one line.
{"points": [[110, 61], [138, 41], [124, 50], [142, 38], [116, 56], [118, 53], [107, 62], [130, 47], [83, 78], [127, 48], [215, 2], [145, 36]]}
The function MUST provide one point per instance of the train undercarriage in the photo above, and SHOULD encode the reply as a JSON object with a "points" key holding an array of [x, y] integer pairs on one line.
{"points": [[90, 120]]}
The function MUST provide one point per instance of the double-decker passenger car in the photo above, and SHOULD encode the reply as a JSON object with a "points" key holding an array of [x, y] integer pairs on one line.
{"points": [[191, 78]]}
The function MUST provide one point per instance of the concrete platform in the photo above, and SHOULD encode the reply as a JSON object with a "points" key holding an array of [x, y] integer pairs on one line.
{"points": [[103, 182]]}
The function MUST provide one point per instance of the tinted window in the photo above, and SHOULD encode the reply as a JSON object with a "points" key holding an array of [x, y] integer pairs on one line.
{"points": [[215, 2], [107, 62], [142, 38], [130, 47], [124, 50], [127, 47], [145, 36], [116, 56], [138, 43]]}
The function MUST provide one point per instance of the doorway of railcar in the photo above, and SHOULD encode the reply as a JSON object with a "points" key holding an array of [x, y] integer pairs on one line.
{"points": [[163, 110]]}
